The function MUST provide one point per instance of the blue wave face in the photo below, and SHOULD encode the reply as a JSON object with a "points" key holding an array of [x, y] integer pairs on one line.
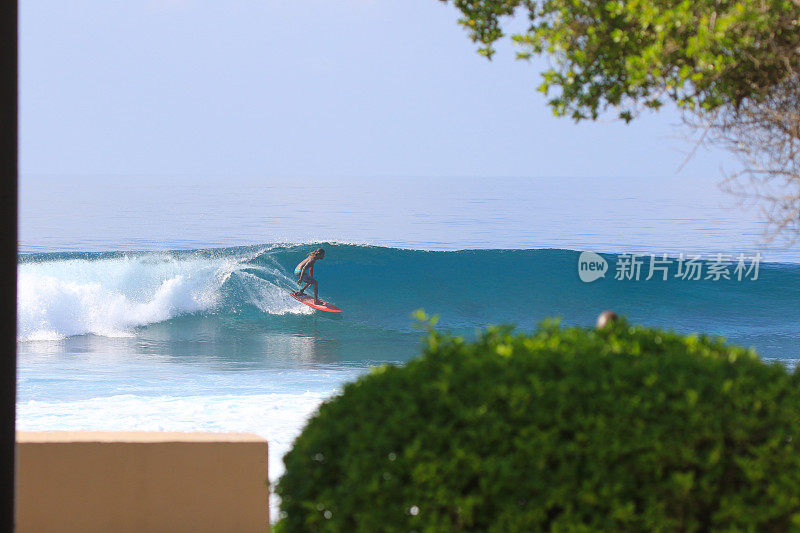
{"points": [[123, 294]]}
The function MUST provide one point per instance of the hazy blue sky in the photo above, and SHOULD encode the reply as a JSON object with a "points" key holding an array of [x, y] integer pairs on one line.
{"points": [[285, 88]]}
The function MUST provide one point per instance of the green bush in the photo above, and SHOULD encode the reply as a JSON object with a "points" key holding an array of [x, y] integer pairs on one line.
{"points": [[567, 429]]}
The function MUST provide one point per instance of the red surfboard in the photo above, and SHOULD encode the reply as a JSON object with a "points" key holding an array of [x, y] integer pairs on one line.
{"points": [[309, 301]]}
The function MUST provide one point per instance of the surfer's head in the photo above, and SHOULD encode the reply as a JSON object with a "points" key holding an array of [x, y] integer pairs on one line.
{"points": [[319, 253]]}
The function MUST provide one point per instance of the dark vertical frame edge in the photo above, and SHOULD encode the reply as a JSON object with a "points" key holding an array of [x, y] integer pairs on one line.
{"points": [[8, 249]]}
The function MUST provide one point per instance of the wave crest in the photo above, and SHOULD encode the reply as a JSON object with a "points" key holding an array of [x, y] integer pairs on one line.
{"points": [[113, 296]]}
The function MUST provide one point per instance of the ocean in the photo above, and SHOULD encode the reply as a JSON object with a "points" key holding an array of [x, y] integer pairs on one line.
{"points": [[163, 303]]}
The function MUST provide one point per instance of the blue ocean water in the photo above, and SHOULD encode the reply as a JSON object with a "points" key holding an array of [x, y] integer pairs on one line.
{"points": [[164, 305]]}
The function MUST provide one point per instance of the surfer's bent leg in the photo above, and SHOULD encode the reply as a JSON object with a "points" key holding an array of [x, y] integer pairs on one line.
{"points": [[311, 281], [308, 280]]}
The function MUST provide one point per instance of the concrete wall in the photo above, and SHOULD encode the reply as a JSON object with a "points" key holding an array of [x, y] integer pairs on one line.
{"points": [[141, 482]]}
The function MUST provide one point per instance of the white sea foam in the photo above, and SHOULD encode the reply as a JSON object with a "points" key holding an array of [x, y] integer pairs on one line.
{"points": [[112, 296], [269, 300]]}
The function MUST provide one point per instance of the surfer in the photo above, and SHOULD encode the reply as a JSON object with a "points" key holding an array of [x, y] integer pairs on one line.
{"points": [[305, 273]]}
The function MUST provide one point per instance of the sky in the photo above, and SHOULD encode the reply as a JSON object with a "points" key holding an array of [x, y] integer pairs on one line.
{"points": [[320, 88]]}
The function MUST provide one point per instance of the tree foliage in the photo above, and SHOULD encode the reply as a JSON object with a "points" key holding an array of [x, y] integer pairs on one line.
{"points": [[567, 429], [629, 54]]}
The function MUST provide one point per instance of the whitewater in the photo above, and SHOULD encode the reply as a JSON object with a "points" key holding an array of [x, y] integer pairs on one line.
{"points": [[110, 295]]}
